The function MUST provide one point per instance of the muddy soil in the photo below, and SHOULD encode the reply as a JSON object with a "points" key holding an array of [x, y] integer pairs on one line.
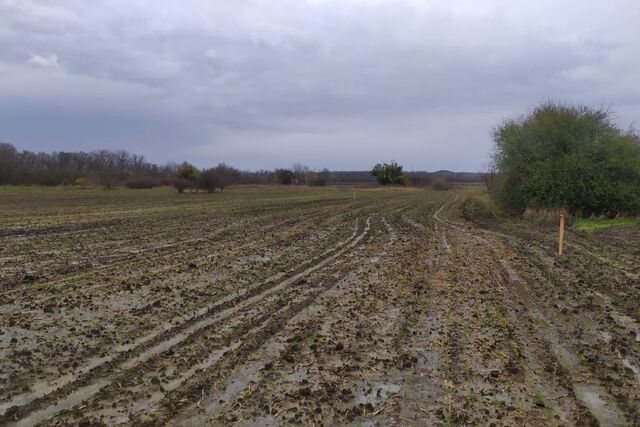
{"points": [[309, 307]]}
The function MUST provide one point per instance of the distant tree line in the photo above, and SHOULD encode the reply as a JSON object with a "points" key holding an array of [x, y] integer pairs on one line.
{"points": [[101, 167], [111, 168], [566, 157]]}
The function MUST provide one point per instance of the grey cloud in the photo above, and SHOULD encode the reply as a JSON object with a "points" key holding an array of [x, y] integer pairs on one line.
{"points": [[332, 83]]}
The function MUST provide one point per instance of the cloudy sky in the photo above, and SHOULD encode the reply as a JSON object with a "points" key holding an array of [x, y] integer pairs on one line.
{"points": [[336, 83]]}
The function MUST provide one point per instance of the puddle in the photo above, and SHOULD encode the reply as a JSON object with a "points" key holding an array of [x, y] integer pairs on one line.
{"points": [[41, 389], [139, 407], [393, 236], [621, 319], [567, 359], [605, 413], [296, 376], [213, 358], [512, 275], [445, 244], [374, 393], [434, 262], [245, 375], [263, 421], [413, 223], [88, 391], [73, 399], [628, 364], [607, 261]]}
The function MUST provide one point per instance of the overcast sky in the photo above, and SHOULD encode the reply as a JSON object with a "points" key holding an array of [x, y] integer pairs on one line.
{"points": [[336, 83]]}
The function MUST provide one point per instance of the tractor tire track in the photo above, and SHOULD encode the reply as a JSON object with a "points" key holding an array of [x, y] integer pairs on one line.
{"points": [[583, 386], [154, 344]]}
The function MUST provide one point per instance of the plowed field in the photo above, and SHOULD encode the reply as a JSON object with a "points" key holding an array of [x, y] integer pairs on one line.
{"points": [[270, 306]]}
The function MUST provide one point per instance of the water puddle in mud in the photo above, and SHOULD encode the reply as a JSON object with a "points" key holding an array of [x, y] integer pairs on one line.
{"points": [[157, 349], [605, 413], [237, 382], [413, 223], [627, 364], [176, 339], [393, 236], [445, 244], [41, 389], [211, 360], [251, 371], [252, 260], [434, 262], [297, 376], [374, 393], [511, 274], [590, 395], [73, 399], [621, 319], [85, 392]]}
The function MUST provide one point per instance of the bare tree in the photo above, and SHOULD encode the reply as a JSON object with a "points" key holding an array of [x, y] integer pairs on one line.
{"points": [[301, 173]]}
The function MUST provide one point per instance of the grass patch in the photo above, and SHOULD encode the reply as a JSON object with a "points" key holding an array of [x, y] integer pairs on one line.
{"points": [[593, 224], [478, 209]]}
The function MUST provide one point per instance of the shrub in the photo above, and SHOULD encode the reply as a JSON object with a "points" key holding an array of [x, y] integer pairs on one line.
{"points": [[182, 184], [567, 157], [186, 176], [389, 173], [209, 180], [285, 176], [321, 178]]}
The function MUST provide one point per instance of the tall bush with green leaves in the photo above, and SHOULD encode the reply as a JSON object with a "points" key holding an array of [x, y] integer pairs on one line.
{"points": [[389, 173], [571, 157], [186, 176]]}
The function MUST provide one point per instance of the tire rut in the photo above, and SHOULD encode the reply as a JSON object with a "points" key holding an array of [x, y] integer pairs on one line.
{"points": [[583, 386], [155, 344]]}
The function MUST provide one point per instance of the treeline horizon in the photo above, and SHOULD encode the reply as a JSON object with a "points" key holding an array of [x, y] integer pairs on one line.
{"points": [[111, 168]]}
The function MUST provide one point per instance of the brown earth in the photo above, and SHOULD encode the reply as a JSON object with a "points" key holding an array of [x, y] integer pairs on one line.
{"points": [[272, 306]]}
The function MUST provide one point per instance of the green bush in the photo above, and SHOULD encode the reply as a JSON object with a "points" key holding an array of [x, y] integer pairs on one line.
{"points": [[186, 176], [389, 173], [568, 157]]}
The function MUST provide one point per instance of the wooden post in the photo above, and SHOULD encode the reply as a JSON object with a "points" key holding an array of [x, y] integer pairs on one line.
{"points": [[354, 194], [561, 235]]}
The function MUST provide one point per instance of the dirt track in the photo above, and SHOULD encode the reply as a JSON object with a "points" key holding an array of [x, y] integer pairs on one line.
{"points": [[262, 307]]}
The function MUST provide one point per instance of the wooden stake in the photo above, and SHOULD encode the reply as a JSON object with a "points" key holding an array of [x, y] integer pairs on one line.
{"points": [[561, 235]]}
